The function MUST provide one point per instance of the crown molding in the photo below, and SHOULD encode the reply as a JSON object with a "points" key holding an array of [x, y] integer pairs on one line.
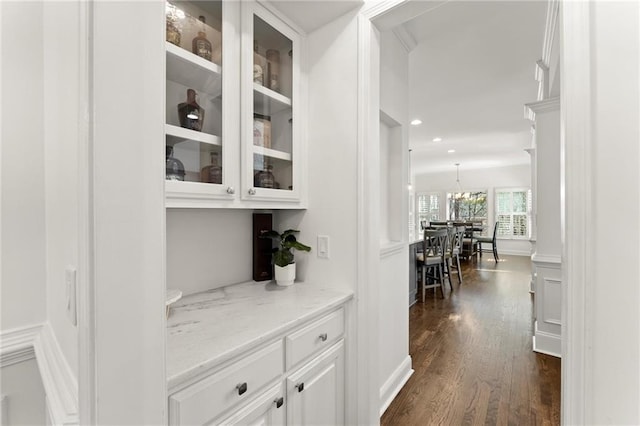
{"points": [[406, 39], [373, 9], [546, 105]]}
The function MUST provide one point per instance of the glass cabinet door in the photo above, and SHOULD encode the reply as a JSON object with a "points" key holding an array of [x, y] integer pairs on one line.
{"points": [[270, 81], [195, 145]]}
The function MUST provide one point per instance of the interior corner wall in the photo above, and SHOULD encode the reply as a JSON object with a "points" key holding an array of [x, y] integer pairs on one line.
{"points": [[23, 249], [332, 71], [61, 144]]}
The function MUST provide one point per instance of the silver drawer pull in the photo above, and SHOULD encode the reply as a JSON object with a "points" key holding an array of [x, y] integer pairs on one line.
{"points": [[323, 337], [300, 387], [242, 388]]}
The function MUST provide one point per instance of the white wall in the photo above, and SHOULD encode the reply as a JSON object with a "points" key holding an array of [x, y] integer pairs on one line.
{"points": [[481, 179], [332, 152], [23, 166], [395, 363], [61, 141], [208, 248], [24, 395], [613, 341]]}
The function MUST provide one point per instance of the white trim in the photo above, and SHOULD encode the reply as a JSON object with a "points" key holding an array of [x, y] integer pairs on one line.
{"points": [[547, 260], [395, 383], [59, 382], [368, 244], [576, 214], [16, 345], [391, 248], [547, 343], [371, 10], [538, 107], [60, 386], [406, 39], [87, 399]]}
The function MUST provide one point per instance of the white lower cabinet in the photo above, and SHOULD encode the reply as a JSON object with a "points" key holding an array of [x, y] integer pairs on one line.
{"points": [[315, 393], [296, 379]]}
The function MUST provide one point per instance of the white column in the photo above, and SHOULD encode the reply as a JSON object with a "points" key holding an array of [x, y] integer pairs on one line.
{"points": [[548, 246]]}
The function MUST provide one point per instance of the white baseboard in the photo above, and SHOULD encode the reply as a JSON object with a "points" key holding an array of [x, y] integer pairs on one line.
{"points": [[547, 343], [60, 385], [394, 383], [526, 253]]}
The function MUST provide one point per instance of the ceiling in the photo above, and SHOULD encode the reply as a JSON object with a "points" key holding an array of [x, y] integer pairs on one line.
{"points": [[470, 73], [310, 15], [471, 70]]}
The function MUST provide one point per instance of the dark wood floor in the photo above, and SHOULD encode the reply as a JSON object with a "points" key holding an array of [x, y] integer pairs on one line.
{"points": [[472, 354]]}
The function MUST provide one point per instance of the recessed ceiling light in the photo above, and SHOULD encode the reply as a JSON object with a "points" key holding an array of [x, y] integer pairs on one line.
{"points": [[416, 122], [451, 151], [437, 139]]}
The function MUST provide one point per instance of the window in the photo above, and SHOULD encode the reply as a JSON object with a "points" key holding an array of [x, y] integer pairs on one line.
{"points": [[468, 206], [513, 208], [428, 208]]}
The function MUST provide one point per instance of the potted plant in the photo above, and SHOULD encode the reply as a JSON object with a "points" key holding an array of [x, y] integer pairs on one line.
{"points": [[285, 266]]}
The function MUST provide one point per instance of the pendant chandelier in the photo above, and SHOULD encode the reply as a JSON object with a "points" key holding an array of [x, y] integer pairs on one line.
{"points": [[458, 189]]}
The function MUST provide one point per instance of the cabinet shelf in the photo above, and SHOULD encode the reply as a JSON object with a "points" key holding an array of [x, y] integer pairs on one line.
{"points": [[177, 134], [272, 153], [197, 73], [267, 101]]}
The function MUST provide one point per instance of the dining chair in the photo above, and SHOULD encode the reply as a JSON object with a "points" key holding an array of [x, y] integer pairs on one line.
{"points": [[456, 236], [489, 240], [432, 259]]}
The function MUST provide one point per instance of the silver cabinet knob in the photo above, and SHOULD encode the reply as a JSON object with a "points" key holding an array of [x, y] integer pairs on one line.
{"points": [[231, 190], [252, 191]]}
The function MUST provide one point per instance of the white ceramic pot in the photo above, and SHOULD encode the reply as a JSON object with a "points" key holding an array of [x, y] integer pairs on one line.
{"points": [[285, 276]]}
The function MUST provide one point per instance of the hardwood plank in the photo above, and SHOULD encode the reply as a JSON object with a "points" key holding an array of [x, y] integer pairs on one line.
{"points": [[472, 354]]}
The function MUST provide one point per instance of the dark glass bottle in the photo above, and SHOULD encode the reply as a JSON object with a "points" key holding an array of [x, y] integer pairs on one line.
{"points": [[200, 45], [174, 167], [213, 172], [191, 114], [264, 178]]}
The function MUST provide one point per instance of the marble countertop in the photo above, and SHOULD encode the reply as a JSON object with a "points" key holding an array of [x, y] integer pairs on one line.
{"points": [[208, 328]]}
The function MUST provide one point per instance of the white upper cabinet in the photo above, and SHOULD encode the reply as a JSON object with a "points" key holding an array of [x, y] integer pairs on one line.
{"points": [[270, 114], [232, 123]]}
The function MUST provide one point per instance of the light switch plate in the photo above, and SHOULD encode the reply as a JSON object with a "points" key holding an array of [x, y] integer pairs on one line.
{"points": [[70, 284], [323, 246]]}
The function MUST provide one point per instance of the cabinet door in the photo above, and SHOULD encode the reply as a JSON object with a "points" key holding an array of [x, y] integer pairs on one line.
{"points": [[315, 393], [266, 409], [200, 135], [271, 122]]}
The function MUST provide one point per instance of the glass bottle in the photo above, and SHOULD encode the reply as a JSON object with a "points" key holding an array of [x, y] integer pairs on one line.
{"points": [[259, 62], [213, 172], [191, 114], [200, 45], [173, 15], [264, 178], [174, 167], [273, 69]]}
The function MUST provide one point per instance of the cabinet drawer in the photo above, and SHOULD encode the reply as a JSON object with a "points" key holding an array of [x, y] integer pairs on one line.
{"points": [[318, 335], [204, 400]]}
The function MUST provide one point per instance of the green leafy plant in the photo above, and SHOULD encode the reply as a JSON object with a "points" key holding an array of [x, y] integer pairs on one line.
{"points": [[282, 255]]}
